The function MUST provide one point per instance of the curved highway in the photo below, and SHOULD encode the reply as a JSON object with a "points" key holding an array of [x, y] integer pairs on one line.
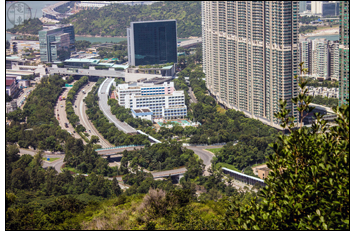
{"points": [[203, 154], [80, 108], [105, 108]]}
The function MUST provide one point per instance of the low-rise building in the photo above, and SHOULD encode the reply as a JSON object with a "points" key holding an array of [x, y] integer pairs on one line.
{"points": [[263, 172], [323, 91], [142, 113], [11, 106], [11, 86]]}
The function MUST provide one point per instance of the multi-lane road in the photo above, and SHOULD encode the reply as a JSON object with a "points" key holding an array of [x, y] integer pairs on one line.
{"points": [[105, 108], [61, 115], [192, 96], [24, 93], [80, 108]]}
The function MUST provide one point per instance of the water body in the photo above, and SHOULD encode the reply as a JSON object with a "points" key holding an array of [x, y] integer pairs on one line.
{"points": [[35, 6], [333, 37]]}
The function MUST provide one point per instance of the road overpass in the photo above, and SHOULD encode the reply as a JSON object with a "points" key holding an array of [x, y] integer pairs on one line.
{"points": [[49, 11], [190, 43], [117, 150], [86, 72]]}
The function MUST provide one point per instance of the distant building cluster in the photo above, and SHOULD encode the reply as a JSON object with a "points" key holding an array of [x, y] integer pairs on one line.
{"points": [[321, 57], [319, 8], [323, 91]]}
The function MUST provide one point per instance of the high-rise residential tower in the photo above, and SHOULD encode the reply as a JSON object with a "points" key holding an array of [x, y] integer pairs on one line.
{"points": [[333, 60], [250, 55], [316, 7], [344, 52], [319, 59]]}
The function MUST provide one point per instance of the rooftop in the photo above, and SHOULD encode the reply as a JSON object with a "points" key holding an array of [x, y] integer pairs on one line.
{"points": [[142, 110], [95, 61], [9, 82]]}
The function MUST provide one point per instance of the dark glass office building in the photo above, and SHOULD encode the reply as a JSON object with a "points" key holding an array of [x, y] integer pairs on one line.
{"points": [[152, 42]]}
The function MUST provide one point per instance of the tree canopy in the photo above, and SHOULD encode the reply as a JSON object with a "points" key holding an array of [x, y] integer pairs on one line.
{"points": [[117, 17]]}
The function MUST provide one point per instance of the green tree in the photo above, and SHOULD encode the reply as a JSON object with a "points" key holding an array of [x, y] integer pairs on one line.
{"points": [[308, 187]]}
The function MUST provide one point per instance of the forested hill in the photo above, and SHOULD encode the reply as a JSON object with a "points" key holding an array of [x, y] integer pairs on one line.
{"points": [[114, 19]]}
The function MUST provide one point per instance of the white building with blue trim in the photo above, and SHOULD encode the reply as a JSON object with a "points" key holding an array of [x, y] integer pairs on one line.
{"points": [[161, 99]]}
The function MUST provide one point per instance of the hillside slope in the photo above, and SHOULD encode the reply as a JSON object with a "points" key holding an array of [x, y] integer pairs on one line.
{"points": [[113, 20]]}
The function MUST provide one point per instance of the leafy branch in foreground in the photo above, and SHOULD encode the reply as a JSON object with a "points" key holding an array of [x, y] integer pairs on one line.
{"points": [[309, 182]]}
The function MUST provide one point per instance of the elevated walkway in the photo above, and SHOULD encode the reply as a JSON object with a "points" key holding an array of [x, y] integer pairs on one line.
{"points": [[150, 137], [243, 177]]}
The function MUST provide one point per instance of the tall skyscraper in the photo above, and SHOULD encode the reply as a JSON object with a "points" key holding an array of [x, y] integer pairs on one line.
{"points": [[250, 55], [56, 42], [319, 58], [316, 7], [333, 60], [344, 52], [304, 51], [152, 42]]}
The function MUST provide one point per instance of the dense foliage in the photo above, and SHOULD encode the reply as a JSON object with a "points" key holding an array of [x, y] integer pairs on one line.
{"points": [[42, 199], [27, 37], [308, 187], [124, 114], [308, 19], [31, 26], [109, 131], [71, 116], [329, 102], [113, 20], [82, 44], [163, 156], [118, 51], [307, 29], [325, 83], [191, 56], [41, 129]]}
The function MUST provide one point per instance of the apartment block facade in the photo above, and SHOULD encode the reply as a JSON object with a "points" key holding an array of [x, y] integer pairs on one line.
{"points": [[344, 52], [143, 89], [319, 58], [250, 55], [166, 106]]}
